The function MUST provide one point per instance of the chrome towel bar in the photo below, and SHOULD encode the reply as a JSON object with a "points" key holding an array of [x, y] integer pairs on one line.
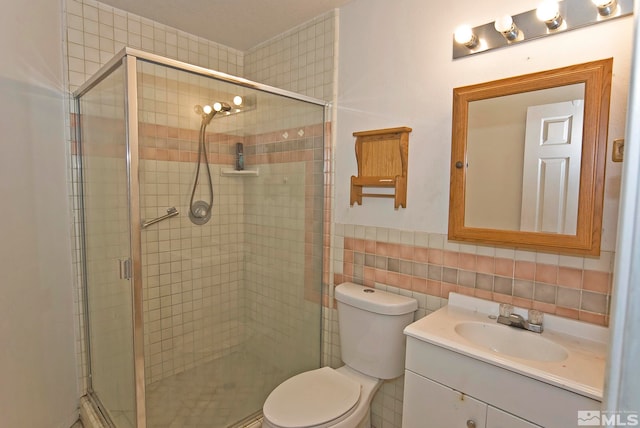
{"points": [[171, 212]]}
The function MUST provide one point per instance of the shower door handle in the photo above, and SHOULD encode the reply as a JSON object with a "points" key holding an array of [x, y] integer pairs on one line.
{"points": [[125, 268]]}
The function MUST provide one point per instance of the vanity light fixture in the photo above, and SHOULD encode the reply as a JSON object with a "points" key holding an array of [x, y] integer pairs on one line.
{"points": [[505, 26], [550, 18], [606, 7], [464, 36], [549, 12]]}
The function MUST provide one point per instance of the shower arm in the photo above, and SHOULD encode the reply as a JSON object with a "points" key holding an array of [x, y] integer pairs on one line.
{"points": [[171, 212]]}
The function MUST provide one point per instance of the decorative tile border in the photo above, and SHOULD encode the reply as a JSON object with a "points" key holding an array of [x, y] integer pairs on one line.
{"points": [[581, 294]]}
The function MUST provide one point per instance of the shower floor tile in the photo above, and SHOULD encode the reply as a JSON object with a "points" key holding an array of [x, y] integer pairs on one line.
{"points": [[217, 394]]}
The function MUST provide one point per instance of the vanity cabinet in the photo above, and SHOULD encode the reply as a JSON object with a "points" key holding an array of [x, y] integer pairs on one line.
{"points": [[430, 404], [448, 389]]}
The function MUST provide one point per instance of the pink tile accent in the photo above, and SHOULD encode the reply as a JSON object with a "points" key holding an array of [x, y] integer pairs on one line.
{"points": [[466, 291], [370, 247], [358, 245], [483, 294], [567, 312], [596, 281], [447, 288], [435, 256], [544, 307], [348, 243], [404, 281], [347, 269], [569, 277], [394, 250], [393, 278], [467, 261], [450, 258], [421, 254], [348, 256], [523, 303], [546, 273], [381, 276], [419, 285], [434, 288], [502, 298], [525, 270], [592, 318], [486, 264], [369, 274], [406, 252], [382, 249], [504, 267]]}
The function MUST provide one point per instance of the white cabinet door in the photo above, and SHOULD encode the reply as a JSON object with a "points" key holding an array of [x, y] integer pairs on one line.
{"points": [[428, 404], [496, 418]]}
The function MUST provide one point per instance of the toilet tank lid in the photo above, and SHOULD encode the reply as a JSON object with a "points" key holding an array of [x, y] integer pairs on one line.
{"points": [[374, 300]]}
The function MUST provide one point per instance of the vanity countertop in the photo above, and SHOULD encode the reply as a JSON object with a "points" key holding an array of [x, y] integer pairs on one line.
{"points": [[582, 371]]}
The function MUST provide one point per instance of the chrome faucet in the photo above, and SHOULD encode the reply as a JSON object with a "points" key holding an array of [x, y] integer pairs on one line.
{"points": [[507, 317]]}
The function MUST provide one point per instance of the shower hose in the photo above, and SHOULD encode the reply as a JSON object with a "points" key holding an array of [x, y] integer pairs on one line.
{"points": [[202, 154]]}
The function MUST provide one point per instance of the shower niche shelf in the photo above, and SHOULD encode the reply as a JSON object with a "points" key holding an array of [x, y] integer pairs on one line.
{"points": [[230, 172], [382, 157]]}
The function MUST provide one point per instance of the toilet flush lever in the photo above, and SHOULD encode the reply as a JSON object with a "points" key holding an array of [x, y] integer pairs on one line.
{"points": [[471, 423]]}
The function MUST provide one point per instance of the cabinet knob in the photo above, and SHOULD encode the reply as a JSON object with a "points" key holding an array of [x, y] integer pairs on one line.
{"points": [[471, 424], [459, 164]]}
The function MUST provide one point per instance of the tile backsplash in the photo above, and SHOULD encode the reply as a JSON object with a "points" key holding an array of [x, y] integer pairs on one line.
{"points": [[572, 287]]}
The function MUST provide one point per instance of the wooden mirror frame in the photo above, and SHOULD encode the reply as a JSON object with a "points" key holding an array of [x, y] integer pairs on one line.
{"points": [[596, 77]]}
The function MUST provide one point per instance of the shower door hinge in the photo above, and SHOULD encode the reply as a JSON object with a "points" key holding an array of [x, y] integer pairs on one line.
{"points": [[125, 268]]}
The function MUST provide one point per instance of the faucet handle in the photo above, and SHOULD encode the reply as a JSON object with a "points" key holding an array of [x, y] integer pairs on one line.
{"points": [[535, 317], [506, 309]]}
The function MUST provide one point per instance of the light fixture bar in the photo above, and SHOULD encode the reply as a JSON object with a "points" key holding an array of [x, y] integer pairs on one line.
{"points": [[575, 14]]}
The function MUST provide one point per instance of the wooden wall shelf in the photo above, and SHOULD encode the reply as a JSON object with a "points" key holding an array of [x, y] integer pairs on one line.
{"points": [[382, 157]]}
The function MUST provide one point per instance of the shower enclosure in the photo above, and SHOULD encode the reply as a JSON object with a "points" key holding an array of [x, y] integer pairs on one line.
{"points": [[193, 321]]}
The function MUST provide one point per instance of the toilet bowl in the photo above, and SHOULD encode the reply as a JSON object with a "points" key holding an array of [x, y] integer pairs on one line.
{"points": [[341, 398], [322, 398]]}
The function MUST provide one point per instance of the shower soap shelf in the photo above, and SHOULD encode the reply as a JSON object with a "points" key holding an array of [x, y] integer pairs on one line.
{"points": [[382, 157], [230, 172]]}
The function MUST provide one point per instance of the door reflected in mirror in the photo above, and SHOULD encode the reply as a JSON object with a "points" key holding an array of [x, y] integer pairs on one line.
{"points": [[523, 161], [528, 160]]}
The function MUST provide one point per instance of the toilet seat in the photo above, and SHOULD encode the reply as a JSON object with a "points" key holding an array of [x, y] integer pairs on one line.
{"points": [[316, 398]]}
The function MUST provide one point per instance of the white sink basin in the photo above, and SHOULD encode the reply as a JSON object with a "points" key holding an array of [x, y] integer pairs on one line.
{"points": [[511, 341]]}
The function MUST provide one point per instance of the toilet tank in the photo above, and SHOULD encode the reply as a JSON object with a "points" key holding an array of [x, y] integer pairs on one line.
{"points": [[371, 329]]}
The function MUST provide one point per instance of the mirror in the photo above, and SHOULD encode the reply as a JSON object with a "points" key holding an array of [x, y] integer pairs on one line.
{"points": [[528, 160]]}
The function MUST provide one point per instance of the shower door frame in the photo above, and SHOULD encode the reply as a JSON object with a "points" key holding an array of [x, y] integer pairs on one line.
{"points": [[128, 58]]}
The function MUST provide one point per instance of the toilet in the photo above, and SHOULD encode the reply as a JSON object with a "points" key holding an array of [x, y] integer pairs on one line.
{"points": [[373, 349]]}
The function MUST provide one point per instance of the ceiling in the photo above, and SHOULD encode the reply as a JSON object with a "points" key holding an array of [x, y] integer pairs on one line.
{"points": [[240, 24]]}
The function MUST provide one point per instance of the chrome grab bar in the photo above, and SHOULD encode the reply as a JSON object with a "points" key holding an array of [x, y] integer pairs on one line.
{"points": [[171, 212]]}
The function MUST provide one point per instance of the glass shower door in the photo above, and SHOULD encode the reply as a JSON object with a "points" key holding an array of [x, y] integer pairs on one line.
{"points": [[107, 247]]}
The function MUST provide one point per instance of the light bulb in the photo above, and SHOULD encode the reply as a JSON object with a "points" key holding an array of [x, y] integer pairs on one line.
{"points": [[504, 24], [548, 10], [207, 109], [237, 100], [217, 106], [464, 35]]}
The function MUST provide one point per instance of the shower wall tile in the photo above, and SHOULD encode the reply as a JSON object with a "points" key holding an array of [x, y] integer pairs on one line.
{"points": [[300, 60], [96, 32]]}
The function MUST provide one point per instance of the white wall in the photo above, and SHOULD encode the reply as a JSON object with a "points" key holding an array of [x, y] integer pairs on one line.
{"points": [[37, 359], [396, 70]]}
